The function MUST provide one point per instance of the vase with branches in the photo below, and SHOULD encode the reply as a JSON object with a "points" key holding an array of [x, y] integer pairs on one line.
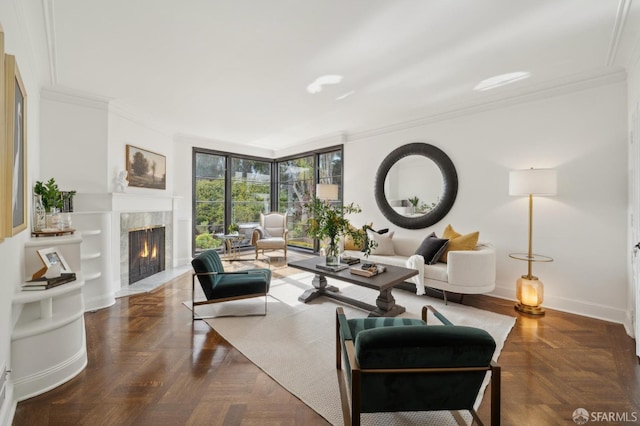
{"points": [[327, 222]]}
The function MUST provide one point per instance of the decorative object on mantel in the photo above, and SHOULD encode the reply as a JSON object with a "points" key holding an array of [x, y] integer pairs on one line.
{"points": [[146, 169], [120, 181], [327, 221], [529, 290]]}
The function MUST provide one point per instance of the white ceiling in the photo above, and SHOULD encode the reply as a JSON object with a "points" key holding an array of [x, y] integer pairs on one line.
{"points": [[237, 70]]}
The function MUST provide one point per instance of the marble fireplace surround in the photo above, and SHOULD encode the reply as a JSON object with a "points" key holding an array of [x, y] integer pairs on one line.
{"points": [[136, 220], [130, 211]]}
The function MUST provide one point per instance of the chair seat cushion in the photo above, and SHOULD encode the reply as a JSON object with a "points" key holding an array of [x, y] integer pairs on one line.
{"points": [[273, 242], [231, 285]]}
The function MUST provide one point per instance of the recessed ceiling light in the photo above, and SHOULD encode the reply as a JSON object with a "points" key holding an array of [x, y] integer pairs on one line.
{"points": [[316, 86], [346, 95], [501, 80]]}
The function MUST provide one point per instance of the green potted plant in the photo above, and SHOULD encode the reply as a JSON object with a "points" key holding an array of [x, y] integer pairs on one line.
{"points": [[234, 228], [327, 222], [50, 194], [414, 203], [53, 200]]}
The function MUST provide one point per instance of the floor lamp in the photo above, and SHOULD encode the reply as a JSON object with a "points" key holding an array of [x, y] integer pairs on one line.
{"points": [[538, 182]]}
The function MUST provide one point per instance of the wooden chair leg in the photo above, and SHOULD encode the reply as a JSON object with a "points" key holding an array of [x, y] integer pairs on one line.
{"points": [[495, 394]]}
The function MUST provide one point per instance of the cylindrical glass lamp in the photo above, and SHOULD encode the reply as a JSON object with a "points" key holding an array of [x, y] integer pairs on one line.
{"points": [[530, 294]]}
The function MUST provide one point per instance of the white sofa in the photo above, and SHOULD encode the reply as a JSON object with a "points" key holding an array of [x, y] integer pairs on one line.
{"points": [[466, 272]]}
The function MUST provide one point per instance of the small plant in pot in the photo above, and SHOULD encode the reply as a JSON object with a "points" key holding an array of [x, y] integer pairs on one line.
{"points": [[52, 199]]}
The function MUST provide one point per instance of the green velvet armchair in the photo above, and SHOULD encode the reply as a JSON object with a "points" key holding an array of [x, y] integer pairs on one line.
{"points": [[220, 286], [402, 364]]}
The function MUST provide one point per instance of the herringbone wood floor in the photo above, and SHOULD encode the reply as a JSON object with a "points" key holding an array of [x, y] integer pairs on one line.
{"points": [[149, 365]]}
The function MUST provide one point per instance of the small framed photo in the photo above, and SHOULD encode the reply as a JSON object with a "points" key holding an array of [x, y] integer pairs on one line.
{"points": [[51, 256]]}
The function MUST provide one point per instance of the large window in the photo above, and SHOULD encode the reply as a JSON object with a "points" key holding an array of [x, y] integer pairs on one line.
{"points": [[229, 189], [296, 178]]}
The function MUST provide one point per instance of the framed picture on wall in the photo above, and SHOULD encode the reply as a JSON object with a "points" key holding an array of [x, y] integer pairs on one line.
{"points": [[4, 202], [146, 169], [16, 149]]}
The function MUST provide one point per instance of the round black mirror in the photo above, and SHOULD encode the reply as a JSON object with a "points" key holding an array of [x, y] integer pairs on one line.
{"points": [[416, 185]]}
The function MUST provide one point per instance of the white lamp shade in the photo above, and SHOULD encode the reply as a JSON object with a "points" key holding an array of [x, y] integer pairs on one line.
{"points": [[327, 191], [533, 182]]}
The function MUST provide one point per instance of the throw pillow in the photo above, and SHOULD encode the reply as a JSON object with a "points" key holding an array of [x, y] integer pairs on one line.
{"points": [[350, 244], [458, 241], [384, 243], [432, 248]]}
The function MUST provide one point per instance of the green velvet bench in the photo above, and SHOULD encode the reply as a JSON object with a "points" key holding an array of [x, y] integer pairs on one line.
{"points": [[402, 364]]}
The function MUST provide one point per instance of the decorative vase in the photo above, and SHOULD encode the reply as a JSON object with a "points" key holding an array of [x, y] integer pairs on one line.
{"points": [[333, 252], [53, 218], [39, 214]]}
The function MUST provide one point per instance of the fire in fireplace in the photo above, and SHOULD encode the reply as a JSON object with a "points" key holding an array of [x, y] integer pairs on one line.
{"points": [[146, 252]]}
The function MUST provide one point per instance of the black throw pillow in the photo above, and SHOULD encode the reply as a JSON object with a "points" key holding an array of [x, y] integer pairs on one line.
{"points": [[432, 248]]}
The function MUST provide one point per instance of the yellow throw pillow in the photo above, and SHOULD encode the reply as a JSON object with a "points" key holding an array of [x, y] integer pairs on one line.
{"points": [[458, 241], [349, 244]]}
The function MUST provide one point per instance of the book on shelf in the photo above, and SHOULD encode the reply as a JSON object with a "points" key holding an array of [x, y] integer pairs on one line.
{"points": [[44, 283], [370, 272], [331, 268], [349, 260]]}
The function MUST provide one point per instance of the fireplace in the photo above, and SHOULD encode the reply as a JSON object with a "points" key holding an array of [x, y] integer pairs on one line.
{"points": [[146, 252]]}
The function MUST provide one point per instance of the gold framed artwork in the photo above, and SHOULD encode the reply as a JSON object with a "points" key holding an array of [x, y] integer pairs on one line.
{"points": [[16, 148], [3, 148], [146, 169]]}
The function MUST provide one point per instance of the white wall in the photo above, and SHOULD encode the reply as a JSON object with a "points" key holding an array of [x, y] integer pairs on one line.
{"points": [[583, 135], [19, 20], [633, 108], [74, 141]]}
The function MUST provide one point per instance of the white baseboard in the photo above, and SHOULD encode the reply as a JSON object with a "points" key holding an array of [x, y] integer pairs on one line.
{"points": [[573, 306]]}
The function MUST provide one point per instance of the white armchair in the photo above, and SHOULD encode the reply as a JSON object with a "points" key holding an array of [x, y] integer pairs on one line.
{"points": [[272, 234]]}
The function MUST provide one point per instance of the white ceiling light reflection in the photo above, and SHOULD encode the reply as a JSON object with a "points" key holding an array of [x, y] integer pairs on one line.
{"points": [[316, 86], [501, 80]]}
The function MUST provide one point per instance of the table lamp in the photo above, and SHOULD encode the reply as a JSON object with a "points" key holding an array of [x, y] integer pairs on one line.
{"points": [[538, 182], [327, 191]]}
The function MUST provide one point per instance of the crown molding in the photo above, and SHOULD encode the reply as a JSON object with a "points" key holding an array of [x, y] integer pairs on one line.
{"points": [[220, 145], [548, 90], [74, 97]]}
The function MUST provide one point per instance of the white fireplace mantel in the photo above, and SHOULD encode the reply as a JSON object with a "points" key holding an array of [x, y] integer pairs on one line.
{"points": [[124, 202]]}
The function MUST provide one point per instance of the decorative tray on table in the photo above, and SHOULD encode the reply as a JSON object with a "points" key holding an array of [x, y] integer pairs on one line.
{"points": [[367, 270]]}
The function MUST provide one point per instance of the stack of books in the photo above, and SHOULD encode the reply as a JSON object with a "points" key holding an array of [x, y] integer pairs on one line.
{"points": [[44, 283], [331, 268], [349, 260]]}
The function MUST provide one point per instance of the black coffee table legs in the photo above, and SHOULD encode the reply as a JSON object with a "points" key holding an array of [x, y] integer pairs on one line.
{"points": [[385, 303]]}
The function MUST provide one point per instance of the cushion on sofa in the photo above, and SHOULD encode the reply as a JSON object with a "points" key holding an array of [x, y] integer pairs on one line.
{"points": [[350, 244], [384, 243], [458, 241], [432, 248]]}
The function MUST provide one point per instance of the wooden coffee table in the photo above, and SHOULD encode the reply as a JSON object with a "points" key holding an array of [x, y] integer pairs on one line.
{"points": [[385, 303]]}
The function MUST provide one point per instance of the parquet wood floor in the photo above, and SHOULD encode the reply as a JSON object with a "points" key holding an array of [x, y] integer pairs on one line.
{"points": [[149, 365]]}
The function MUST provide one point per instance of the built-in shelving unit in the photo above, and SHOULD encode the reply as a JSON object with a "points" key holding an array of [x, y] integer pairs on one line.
{"points": [[48, 345], [95, 255]]}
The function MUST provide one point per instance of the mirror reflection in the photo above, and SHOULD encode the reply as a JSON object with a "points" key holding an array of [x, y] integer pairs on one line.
{"points": [[414, 186]]}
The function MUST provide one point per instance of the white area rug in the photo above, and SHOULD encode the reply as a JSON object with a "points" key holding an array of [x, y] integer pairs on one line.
{"points": [[295, 342]]}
